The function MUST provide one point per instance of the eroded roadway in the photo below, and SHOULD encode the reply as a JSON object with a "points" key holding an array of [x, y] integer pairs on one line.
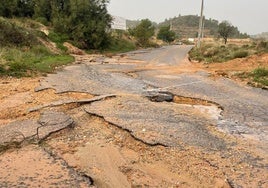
{"points": [[146, 83], [244, 108]]}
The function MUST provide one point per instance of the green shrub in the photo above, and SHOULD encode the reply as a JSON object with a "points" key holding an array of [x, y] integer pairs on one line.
{"points": [[260, 72], [59, 39], [210, 52], [260, 75], [28, 61], [42, 20], [262, 46], [219, 53], [121, 46], [240, 54], [14, 35]]}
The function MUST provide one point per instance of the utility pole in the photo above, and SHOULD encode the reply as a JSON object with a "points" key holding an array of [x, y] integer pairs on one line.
{"points": [[171, 25], [203, 28], [200, 25]]}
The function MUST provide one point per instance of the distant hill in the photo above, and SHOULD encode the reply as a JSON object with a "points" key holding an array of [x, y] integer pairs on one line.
{"points": [[263, 35], [187, 27]]}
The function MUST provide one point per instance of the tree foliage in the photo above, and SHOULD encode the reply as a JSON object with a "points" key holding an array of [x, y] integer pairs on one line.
{"points": [[143, 32], [225, 30], [16, 8], [14, 35], [85, 21], [88, 23], [166, 34], [43, 10]]}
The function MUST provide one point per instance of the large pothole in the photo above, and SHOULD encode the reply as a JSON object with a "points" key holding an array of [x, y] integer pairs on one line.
{"points": [[212, 109]]}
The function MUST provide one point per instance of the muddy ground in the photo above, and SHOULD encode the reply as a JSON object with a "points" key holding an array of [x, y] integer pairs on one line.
{"points": [[97, 153]]}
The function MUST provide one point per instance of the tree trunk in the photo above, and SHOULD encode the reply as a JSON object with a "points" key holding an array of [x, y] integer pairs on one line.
{"points": [[225, 40]]}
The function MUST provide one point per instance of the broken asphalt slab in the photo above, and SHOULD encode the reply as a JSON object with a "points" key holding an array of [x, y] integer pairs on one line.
{"points": [[19, 131], [153, 123], [91, 79]]}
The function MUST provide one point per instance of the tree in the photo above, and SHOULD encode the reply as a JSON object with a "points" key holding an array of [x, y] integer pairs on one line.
{"points": [[8, 8], [16, 8], [88, 23], [25, 8], [166, 34], [225, 30], [143, 32], [43, 10]]}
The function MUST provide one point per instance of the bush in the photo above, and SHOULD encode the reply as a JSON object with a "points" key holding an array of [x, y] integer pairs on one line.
{"points": [[20, 62], [262, 46], [211, 52], [143, 32], [260, 75], [13, 35], [260, 72], [216, 53], [42, 20], [121, 45], [240, 54], [59, 39]]}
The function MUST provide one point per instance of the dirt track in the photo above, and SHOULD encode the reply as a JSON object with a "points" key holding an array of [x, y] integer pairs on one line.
{"points": [[97, 152]]}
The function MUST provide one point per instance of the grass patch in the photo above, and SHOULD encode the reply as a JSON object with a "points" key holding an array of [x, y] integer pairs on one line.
{"points": [[260, 75], [262, 46], [20, 62], [59, 39], [120, 46], [240, 54], [217, 53]]}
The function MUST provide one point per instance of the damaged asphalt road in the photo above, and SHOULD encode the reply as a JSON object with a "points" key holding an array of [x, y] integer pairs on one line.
{"points": [[164, 107], [245, 108]]}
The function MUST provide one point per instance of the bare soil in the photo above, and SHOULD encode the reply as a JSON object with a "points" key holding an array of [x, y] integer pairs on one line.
{"points": [[110, 155], [233, 68]]}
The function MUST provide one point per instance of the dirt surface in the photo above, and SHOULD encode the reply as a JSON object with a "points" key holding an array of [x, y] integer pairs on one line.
{"points": [[232, 68], [99, 151]]}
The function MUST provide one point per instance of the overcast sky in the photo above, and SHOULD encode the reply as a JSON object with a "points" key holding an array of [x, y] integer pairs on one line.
{"points": [[249, 16]]}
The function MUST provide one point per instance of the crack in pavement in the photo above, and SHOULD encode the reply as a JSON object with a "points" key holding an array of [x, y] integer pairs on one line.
{"points": [[168, 124], [49, 122], [128, 131], [71, 101], [84, 177]]}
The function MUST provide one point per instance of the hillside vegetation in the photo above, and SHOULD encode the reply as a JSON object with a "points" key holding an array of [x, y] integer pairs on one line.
{"points": [[25, 50], [21, 51], [187, 27], [256, 52]]}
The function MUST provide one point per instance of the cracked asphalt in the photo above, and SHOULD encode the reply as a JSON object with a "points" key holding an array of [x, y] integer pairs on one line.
{"points": [[245, 108], [182, 120]]}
